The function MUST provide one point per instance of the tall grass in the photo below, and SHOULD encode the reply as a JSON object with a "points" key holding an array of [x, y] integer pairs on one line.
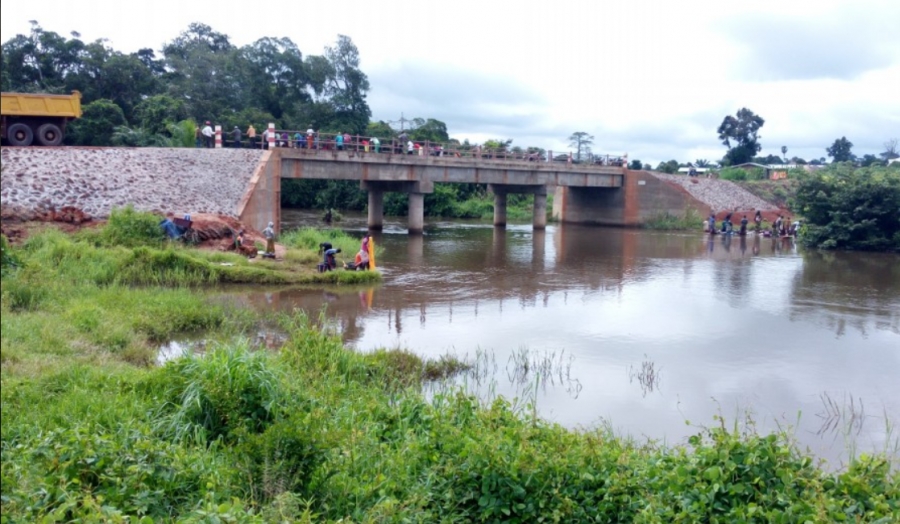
{"points": [[690, 220], [321, 433]]}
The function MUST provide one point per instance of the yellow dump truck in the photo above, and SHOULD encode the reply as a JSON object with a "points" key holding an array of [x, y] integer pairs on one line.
{"points": [[29, 117]]}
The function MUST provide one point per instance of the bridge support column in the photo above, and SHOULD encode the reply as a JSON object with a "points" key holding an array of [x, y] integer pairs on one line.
{"points": [[499, 209], [376, 209], [416, 213], [540, 211]]}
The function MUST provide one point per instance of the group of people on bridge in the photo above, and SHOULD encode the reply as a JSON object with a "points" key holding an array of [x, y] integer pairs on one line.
{"points": [[206, 136]]}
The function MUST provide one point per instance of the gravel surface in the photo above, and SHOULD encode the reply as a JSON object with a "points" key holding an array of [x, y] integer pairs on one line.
{"points": [[180, 180], [720, 195]]}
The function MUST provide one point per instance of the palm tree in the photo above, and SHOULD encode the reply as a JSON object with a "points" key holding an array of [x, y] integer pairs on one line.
{"points": [[701, 162], [784, 153]]}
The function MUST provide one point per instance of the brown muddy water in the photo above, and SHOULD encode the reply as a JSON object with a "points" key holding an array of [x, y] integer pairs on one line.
{"points": [[649, 333]]}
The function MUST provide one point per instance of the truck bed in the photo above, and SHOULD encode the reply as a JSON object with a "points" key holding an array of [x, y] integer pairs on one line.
{"points": [[41, 105]]}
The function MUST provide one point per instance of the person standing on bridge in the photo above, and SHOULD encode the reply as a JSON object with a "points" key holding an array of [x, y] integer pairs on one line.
{"points": [[376, 144], [236, 135], [251, 136], [339, 141], [309, 137], [207, 133]]}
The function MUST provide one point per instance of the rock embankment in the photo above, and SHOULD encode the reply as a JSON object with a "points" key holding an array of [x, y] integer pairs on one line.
{"points": [[720, 195], [97, 180]]}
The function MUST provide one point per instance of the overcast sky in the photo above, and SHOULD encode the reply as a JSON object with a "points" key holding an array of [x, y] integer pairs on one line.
{"points": [[653, 79]]}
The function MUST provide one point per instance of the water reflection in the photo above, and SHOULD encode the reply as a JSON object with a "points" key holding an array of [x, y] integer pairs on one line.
{"points": [[753, 323]]}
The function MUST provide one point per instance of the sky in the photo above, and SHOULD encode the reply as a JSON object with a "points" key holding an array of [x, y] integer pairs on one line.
{"points": [[652, 79]]}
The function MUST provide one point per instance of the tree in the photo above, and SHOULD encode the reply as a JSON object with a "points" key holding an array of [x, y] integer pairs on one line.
{"points": [[155, 113], [668, 167], [742, 131], [784, 153], [890, 150], [380, 129], [840, 150], [869, 160], [95, 127], [203, 71], [431, 130], [635, 165], [701, 162], [582, 142], [274, 76], [347, 85]]}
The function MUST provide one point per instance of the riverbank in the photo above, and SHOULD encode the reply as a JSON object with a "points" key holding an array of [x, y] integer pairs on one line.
{"points": [[316, 432]]}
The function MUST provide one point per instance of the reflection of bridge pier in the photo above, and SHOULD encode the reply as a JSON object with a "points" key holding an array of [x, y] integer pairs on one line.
{"points": [[538, 239], [415, 251]]}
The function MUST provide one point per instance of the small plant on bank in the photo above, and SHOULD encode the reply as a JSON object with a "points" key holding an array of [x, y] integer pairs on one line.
{"points": [[691, 220]]}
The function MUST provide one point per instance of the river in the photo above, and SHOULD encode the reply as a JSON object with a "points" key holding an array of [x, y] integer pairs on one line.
{"points": [[649, 333]]}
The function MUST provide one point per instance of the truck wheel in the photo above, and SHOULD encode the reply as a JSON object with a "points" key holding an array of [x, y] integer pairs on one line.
{"points": [[19, 135], [49, 135]]}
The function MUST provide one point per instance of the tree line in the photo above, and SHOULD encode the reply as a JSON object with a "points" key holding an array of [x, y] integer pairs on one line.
{"points": [[143, 98]]}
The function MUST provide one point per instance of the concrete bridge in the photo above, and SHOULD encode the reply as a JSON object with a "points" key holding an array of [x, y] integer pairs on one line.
{"points": [[584, 193]]}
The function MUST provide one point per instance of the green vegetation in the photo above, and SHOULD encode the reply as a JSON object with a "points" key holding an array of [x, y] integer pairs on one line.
{"points": [[447, 200], [691, 220], [845, 207], [737, 174], [778, 192], [92, 432], [319, 433]]}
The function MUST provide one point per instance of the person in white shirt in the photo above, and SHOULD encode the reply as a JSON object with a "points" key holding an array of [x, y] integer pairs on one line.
{"points": [[207, 133]]}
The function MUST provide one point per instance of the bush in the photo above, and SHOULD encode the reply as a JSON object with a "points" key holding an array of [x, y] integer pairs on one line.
{"points": [[130, 228], [850, 208], [224, 393]]}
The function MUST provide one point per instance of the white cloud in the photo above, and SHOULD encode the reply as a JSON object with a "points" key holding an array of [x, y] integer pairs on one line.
{"points": [[653, 79]]}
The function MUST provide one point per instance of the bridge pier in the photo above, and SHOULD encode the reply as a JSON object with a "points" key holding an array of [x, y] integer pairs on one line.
{"points": [[376, 209], [416, 213], [539, 214], [539, 218], [499, 209]]}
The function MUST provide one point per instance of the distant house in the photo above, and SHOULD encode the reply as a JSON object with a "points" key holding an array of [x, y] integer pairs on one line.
{"points": [[773, 171], [698, 170]]}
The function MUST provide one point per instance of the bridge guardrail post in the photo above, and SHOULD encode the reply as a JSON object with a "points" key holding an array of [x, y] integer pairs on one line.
{"points": [[218, 137], [271, 136]]}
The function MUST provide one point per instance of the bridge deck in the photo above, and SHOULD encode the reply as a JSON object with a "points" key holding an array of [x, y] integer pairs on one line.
{"points": [[389, 167]]}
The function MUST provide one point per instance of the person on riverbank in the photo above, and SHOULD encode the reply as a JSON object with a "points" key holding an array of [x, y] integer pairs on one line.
{"points": [[269, 234], [712, 223], [330, 260], [757, 220], [744, 223]]}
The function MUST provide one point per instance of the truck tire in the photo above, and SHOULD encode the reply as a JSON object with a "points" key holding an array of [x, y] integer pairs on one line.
{"points": [[19, 135], [49, 135]]}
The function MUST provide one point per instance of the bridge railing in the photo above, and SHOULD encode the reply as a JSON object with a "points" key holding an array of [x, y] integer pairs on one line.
{"points": [[296, 139]]}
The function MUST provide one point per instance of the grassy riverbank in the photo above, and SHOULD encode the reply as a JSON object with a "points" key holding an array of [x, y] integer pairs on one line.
{"points": [[319, 433]]}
